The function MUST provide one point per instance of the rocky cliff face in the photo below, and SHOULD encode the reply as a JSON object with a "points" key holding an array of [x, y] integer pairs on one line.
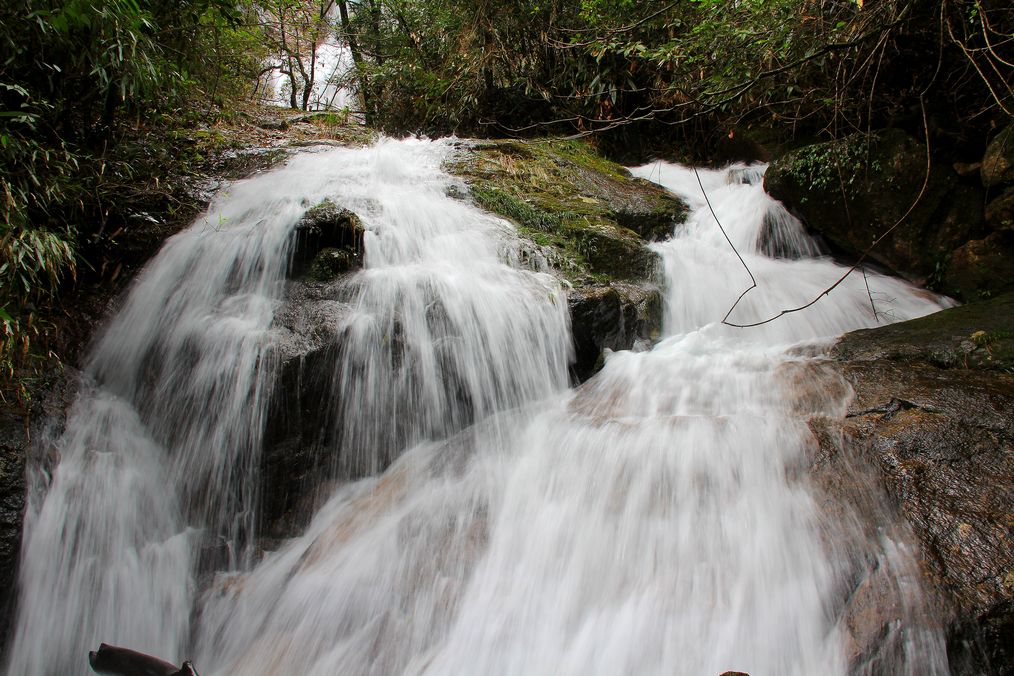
{"points": [[932, 416], [950, 228]]}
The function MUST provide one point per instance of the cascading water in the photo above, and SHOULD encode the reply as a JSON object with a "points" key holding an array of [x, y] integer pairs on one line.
{"points": [[657, 520]]}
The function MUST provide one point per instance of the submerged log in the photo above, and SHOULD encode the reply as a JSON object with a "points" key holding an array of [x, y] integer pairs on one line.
{"points": [[110, 659]]}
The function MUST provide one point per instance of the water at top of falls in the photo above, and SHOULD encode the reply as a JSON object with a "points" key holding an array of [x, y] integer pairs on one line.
{"points": [[656, 520]]}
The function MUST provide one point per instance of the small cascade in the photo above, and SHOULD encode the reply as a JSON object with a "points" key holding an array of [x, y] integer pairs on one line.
{"points": [[156, 472], [659, 519]]}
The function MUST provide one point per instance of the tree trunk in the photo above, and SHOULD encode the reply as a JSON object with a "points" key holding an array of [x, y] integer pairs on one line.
{"points": [[357, 60]]}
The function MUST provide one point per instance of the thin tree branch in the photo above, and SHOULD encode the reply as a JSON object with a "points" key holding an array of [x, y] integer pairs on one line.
{"points": [[865, 254]]}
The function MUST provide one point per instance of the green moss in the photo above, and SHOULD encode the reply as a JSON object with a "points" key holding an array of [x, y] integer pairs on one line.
{"points": [[522, 213], [324, 209], [830, 165], [562, 195], [977, 336], [331, 262]]}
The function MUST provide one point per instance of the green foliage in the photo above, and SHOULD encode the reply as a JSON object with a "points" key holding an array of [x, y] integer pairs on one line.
{"points": [[520, 212], [695, 68], [76, 78], [841, 162]]}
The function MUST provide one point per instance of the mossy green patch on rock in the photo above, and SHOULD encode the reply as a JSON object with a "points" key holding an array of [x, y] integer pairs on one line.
{"points": [[563, 195], [865, 193], [331, 262], [328, 242], [974, 336], [590, 221]]}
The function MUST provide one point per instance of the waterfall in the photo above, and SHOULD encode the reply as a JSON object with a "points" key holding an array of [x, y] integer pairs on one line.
{"points": [[656, 520]]}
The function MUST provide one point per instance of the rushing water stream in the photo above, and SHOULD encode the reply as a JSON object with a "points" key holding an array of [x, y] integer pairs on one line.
{"points": [[656, 520]]}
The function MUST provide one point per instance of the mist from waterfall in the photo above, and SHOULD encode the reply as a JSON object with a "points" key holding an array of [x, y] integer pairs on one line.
{"points": [[656, 520]]}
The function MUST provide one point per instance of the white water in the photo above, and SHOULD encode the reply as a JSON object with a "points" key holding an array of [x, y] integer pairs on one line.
{"points": [[333, 84], [656, 520]]}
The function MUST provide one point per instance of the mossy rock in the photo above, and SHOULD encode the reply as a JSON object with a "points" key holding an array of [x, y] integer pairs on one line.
{"points": [[854, 190], [975, 336], [331, 262], [562, 195], [591, 221], [981, 268], [328, 241], [998, 162]]}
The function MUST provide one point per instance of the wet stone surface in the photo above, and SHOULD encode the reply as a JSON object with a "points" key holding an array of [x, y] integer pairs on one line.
{"points": [[932, 414]]}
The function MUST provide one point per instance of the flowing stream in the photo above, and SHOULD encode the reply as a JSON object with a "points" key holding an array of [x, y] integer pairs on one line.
{"points": [[655, 520]]}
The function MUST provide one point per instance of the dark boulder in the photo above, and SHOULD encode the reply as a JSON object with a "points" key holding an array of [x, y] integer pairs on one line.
{"points": [[13, 447], [299, 424], [982, 267], [998, 162], [852, 191], [741, 145], [1000, 212], [328, 241], [616, 317], [931, 415]]}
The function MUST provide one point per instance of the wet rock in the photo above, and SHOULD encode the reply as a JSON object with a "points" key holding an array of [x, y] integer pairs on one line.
{"points": [[13, 449], [998, 162], [615, 317], [18, 431], [331, 263], [982, 267], [613, 252], [931, 415], [329, 240], [299, 422], [564, 196], [1000, 212], [587, 220], [852, 191]]}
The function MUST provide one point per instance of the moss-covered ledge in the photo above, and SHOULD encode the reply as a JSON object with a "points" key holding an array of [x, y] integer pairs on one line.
{"points": [[975, 336], [592, 221], [562, 194]]}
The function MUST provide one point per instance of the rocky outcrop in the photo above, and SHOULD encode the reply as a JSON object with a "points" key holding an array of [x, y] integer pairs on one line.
{"points": [[328, 242], [590, 221], [998, 162], [616, 317], [1000, 212], [854, 190], [957, 238], [328, 245], [13, 450], [18, 432], [932, 416], [982, 267]]}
